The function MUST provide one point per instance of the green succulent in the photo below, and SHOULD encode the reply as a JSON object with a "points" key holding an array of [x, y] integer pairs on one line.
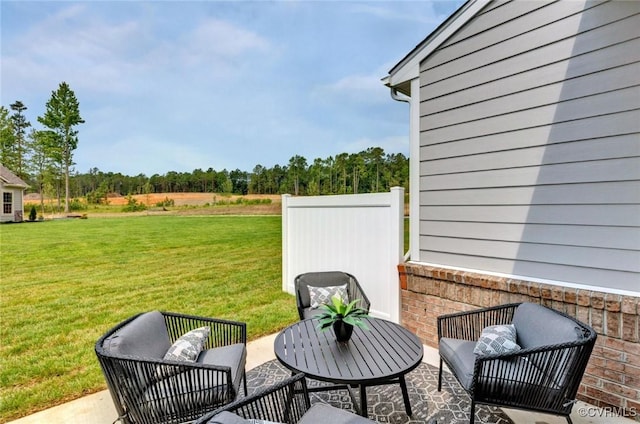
{"points": [[338, 310]]}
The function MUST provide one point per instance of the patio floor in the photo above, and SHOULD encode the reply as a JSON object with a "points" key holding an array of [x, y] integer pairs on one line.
{"points": [[98, 408]]}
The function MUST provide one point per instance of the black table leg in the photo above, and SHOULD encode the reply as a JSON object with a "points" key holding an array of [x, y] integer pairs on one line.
{"points": [[363, 400], [405, 395]]}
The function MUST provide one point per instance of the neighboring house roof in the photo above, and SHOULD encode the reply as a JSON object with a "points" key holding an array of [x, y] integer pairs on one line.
{"points": [[10, 179], [408, 68]]}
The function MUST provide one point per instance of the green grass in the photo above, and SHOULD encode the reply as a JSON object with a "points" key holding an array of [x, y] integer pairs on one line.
{"points": [[64, 283]]}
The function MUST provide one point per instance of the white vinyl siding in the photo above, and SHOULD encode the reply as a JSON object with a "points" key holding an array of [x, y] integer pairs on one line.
{"points": [[530, 144]]}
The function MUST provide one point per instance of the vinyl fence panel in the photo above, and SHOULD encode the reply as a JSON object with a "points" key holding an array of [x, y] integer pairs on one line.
{"points": [[360, 234]]}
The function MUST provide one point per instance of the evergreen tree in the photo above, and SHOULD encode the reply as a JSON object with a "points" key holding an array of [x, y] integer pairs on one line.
{"points": [[19, 125], [61, 116]]}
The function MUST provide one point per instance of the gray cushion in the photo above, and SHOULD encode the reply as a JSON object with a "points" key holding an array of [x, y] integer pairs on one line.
{"points": [[319, 279], [233, 356], [322, 413], [226, 417], [146, 337], [461, 359], [310, 312], [200, 385], [537, 325]]}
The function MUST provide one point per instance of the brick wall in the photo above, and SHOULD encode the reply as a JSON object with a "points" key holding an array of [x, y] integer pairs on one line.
{"points": [[612, 378]]}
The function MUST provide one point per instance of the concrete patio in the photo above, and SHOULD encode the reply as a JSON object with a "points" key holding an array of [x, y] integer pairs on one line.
{"points": [[98, 408]]}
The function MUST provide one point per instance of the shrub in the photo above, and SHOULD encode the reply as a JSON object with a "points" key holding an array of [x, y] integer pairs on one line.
{"points": [[77, 205], [33, 213], [133, 205], [166, 202]]}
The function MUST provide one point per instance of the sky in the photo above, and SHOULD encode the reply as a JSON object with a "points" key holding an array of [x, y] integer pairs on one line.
{"points": [[181, 85]]}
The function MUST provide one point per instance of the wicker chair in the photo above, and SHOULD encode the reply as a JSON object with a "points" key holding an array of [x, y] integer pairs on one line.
{"points": [[543, 376], [149, 389], [284, 402], [325, 279]]}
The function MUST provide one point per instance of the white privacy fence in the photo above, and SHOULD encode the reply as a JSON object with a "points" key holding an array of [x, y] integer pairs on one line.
{"points": [[361, 234]]}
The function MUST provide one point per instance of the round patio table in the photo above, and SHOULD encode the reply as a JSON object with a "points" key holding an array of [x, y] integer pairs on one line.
{"points": [[384, 354]]}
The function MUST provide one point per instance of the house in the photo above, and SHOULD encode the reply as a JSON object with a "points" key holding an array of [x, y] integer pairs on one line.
{"points": [[525, 172], [12, 188]]}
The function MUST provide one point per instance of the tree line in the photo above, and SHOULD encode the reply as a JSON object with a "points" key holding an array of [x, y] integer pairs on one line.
{"points": [[368, 171], [44, 159]]}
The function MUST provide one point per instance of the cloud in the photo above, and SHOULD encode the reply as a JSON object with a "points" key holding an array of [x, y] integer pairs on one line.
{"points": [[395, 12], [355, 88], [146, 154]]}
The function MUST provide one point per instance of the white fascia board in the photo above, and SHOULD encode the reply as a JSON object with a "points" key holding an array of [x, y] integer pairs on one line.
{"points": [[411, 68]]}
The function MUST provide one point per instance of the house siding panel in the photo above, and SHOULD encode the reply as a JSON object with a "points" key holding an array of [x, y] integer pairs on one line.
{"points": [[530, 144]]}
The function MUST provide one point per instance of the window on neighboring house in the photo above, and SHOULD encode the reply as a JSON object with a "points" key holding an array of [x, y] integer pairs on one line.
{"points": [[7, 202]]}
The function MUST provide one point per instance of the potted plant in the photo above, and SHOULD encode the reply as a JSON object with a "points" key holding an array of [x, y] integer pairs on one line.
{"points": [[342, 317]]}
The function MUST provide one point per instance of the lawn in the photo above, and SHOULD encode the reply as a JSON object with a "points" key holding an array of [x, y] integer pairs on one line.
{"points": [[65, 282]]}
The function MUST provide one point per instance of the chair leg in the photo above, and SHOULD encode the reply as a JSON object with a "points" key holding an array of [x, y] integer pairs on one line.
{"points": [[472, 412], [440, 376], [569, 420], [244, 378]]}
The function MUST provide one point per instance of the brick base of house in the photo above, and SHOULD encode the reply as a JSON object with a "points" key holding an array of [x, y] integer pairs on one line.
{"points": [[612, 378]]}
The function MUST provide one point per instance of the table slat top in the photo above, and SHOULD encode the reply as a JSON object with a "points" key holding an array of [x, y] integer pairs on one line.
{"points": [[385, 351]]}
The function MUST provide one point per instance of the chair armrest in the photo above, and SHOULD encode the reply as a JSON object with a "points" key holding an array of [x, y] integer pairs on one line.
{"points": [[299, 305], [286, 401], [223, 332], [468, 325], [553, 366], [360, 294]]}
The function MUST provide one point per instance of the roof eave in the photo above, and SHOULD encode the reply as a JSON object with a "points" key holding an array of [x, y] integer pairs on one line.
{"points": [[409, 67]]}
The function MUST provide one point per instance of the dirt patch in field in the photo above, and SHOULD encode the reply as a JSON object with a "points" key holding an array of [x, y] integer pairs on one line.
{"points": [[189, 204], [190, 199]]}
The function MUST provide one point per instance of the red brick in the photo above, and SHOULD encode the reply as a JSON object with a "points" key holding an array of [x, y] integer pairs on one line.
{"points": [[604, 396], [630, 327], [545, 291], [613, 354], [606, 374], [582, 314], [523, 288], [632, 371], [597, 300], [597, 320], [501, 284], [534, 290], [613, 343], [629, 305], [634, 407], [513, 285], [590, 380], [570, 295], [612, 302], [584, 298], [613, 324], [557, 293], [619, 389]]}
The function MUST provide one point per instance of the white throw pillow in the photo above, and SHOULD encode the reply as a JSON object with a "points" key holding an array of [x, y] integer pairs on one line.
{"points": [[189, 345], [322, 295], [186, 349], [497, 339]]}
